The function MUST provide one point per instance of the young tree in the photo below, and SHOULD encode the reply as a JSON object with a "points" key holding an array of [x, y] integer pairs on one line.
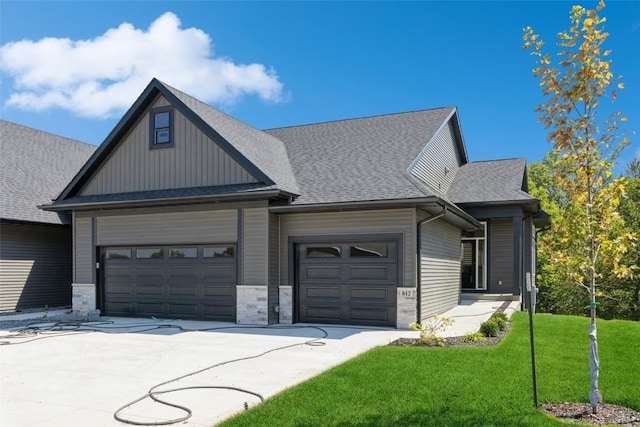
{"points": [[586, 146]]}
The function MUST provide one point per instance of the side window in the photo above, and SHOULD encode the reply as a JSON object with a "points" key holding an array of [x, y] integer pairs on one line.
{"points": [[161, 128]]}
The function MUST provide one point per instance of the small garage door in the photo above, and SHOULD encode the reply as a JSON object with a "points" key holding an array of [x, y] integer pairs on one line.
{"points": [[347, 283], [187, 282]]}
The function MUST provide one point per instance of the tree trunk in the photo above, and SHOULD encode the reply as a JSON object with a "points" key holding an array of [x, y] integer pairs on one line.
{"points": [[595, 396]]}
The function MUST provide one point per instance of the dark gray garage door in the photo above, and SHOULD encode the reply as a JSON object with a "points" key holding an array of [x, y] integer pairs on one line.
{"points": [[347, 283], [181, 281]]}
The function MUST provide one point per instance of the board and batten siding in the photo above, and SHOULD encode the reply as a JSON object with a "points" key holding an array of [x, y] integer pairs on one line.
{"points": [[439, 268], [500, 239], [255, 247], [194, 161], [218, 226], [352, 223], [83, 250], [439, 162], [35, 266]]}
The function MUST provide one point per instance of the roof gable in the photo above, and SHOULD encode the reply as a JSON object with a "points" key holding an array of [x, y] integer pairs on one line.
{"points": [[35, 166], [242, 143], [363, 159]]}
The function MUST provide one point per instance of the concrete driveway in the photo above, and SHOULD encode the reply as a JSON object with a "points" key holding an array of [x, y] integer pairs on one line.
{"points": [[81, 377]]}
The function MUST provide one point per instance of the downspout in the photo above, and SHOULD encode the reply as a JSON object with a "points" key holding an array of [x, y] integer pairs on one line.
{"points": [[418, 260]]}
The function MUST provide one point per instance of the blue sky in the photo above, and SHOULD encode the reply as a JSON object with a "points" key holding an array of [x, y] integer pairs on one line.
{"points": [[274, 64]]}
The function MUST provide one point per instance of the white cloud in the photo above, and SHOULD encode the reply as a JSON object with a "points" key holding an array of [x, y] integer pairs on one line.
{"points": [[103, 76]]}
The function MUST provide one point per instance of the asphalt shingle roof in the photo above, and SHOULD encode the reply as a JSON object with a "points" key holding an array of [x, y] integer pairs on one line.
{"points": [[489, 181], [263, 150], [35, 166], [361, 159]]}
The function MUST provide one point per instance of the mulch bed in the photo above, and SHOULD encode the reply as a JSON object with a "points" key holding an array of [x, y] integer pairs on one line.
{"points": [[581, 413]]}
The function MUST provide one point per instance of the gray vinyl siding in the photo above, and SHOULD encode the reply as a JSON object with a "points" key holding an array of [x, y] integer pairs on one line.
{"points": [[439, 268], [195, 161], [218, 226], [274, 271], [83, 250], [35, 266], [500, 238], [255, 247], [440, 153], [352, 223]]}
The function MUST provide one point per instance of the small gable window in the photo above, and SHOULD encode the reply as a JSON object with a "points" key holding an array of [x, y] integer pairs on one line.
{"points": [[161, 128]]}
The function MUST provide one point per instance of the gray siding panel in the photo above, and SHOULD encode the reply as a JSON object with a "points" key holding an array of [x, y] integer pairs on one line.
{"points": [[439, 268], [83, 254], [274, 270], [35, 267], [440, 153], [171, 227], [195, 161], [500, 256], [255, 247], [351, 223]]}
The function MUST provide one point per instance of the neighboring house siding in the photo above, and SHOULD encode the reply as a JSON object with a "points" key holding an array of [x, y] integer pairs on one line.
{"points": [[255, 247], [195, 161], [500, 238], [439, 268], [352, 223], [439, 155], [166, 228], [35, 266], [83, 252], [274, 263]]}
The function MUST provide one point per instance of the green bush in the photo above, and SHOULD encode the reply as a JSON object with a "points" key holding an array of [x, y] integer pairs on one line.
{"points": [[474, 337], [490, 328], [500, 319]]}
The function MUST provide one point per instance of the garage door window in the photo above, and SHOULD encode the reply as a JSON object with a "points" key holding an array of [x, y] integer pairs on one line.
{"points": [[149, 253], [183, 253], [368, 250], [119, 254], [218, 252], [323, 252]]}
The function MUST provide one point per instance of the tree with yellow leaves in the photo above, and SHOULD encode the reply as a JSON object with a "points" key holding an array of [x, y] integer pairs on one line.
{"points": [[587, 142]]}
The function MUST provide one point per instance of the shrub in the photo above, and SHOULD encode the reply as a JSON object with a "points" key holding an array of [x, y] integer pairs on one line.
{"points": [[500, 319], [490, 328], [474, 337], [429, 330]]}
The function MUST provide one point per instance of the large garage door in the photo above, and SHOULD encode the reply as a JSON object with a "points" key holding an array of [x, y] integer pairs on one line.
{"points": [[347, 283], [187, 282]]}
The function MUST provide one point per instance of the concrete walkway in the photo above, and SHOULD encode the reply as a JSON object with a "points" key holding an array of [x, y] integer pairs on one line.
{"points": [[80, 376]]}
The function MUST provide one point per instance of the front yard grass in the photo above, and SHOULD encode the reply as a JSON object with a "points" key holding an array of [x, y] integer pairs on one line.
{"points": [[473, 386]]}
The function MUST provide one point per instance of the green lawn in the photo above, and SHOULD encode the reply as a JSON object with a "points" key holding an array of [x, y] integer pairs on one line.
{"points": [[489, 386]]}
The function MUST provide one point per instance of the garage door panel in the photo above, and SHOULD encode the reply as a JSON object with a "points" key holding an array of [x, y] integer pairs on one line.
{"points": [[369, 294], [382, 272], [186, 310], [322, 292], [367, 315], [323, 314], [327, 272], [191, 288], [182, 290], [149, 290], [219, 272]]}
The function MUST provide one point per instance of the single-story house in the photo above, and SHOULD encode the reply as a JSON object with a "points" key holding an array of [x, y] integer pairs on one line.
{"points": [[35, 245], [184, 211]]}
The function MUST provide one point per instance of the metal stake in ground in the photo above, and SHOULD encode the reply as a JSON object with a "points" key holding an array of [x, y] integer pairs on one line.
{"points": [[531, 295]]}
